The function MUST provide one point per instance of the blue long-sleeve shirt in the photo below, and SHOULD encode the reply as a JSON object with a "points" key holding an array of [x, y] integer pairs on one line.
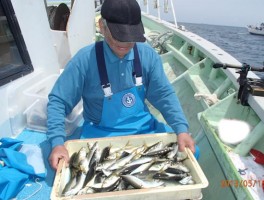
{"points": [[80, 79]]}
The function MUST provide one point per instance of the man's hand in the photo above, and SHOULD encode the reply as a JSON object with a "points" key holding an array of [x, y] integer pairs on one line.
{"points": [[185, 140], [58, 152]]}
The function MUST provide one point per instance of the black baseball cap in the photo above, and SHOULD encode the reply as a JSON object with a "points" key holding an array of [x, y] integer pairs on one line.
{"points": [[123, 18]]}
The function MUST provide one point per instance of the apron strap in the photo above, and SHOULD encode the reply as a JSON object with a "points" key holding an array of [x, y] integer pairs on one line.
{"points": [[99, 50], [137, 67]]}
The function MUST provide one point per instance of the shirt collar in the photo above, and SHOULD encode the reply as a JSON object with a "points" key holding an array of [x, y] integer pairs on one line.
{"points": [[113, 58]]}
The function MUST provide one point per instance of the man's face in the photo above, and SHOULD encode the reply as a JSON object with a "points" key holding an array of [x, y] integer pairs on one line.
{"points": [[119, 48]]}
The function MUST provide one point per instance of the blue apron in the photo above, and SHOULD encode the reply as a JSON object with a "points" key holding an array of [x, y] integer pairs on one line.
{"points": [[124, 113]]}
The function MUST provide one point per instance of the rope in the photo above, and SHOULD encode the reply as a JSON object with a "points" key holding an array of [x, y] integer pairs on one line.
{"points": [[159, 39], [210, 99], [40, 186]]}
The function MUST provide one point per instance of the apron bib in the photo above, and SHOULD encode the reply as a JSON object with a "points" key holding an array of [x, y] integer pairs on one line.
{"points": [[124, 113]]}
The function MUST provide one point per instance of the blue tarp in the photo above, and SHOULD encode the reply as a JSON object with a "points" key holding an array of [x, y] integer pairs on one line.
{"points": [[18, 167]]}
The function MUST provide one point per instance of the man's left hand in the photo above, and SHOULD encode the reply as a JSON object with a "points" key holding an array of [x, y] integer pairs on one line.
{"points": [[185, 140]]}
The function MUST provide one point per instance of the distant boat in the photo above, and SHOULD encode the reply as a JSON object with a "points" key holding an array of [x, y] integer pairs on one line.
{"points": [[256, 30]]}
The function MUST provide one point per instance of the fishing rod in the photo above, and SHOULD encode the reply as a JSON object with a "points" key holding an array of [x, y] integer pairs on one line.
{"points": [[246, 85], [244, 66]]}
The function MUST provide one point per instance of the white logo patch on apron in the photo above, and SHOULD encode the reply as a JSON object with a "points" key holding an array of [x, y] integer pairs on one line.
{"points": [[128, 100]]}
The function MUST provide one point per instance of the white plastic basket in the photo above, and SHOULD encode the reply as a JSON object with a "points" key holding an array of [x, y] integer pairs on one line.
{"points": [[36, 112]]}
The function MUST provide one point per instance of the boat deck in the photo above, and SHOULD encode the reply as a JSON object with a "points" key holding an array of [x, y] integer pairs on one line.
{"points": [[39, 189]]}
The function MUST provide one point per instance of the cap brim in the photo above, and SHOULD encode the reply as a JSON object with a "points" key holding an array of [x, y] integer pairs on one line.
{"points": [[127, 33]]}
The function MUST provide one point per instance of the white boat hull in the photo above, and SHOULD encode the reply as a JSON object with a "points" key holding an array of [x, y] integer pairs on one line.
{"points": [[255, 31]]}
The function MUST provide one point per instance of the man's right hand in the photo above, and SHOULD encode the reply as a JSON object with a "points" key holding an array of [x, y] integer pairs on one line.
{"points": [[58, 152]]}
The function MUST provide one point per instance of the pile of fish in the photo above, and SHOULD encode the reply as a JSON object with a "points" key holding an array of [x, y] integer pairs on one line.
{"points": [[94, 170]]}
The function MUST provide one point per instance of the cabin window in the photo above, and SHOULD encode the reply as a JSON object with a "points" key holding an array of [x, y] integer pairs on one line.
{"points": [[14, 59]]}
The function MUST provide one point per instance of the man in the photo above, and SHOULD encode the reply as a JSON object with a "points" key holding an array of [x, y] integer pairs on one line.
{"points": [[113, 78]]}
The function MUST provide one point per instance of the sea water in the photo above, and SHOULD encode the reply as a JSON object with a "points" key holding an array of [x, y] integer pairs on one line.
{"points": [[237, 41]]}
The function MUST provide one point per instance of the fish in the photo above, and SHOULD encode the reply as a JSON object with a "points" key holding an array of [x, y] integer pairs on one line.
{"points": [[159, 166], [169, 176], [105, 164], [105, 153], [121, 162], [186, 180], [90, 174], [82, 173], [159, 153], [75, 166], [179, 166], [100, 188], [123, 154], [142, 167], [139, 184], [173, 170], [146, 175], [99, 177], [73, 173], [174, 151], [76, 159], [109, 184], [127, 169], [92, 170], [92, 153], [181, 156], [155, 147], [87, 189], [78, 186], [116, 153], [141, 160], [71, 183], [122, 185]]}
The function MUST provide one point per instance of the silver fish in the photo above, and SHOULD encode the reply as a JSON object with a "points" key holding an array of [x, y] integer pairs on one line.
{"points": [[116, 153], [140, 161], [169, 176], [186, 180], [138, 183], [174, 151], [160, 152], [173, 170], [76, 164], [142, 168], [90, 174], [71, 183], [87, 189], [121, 162], [180, 166], [181, 156], [109, 184], [105, 153], [158, 166], [155, 147], [92, 152], [77, 187], [146, 175], [79, 157], [105, 164], [127, 169]]}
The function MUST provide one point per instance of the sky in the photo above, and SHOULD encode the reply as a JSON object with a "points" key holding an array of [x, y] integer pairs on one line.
{"points": [[219, 12]]}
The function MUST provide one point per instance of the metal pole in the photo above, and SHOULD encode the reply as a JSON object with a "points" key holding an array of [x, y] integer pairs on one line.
{"points": [[147, 7], [173, 12], [158, 7]]}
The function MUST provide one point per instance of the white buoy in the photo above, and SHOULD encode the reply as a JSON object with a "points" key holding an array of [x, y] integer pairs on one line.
{"points": [[233, 131]]}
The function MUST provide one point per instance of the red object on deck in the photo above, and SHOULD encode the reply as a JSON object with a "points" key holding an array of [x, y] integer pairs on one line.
{"points": [[257, 156]]}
